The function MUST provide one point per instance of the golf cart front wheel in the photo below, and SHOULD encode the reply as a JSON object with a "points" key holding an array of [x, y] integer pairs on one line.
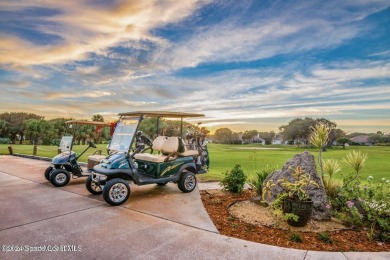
{"points": [[187, 182], [59, 177], [116, 192], [47, 172], [93, 187]]}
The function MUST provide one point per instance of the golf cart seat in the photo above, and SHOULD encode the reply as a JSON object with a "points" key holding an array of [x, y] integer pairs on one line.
{"points": [[169, 149], [156, 146]]}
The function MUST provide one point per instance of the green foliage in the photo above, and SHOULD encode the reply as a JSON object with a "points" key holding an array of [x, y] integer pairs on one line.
{"points": [[325, 238], [5, 140], [224, 135], [257, 182], [298, 188], [15, 121], [296, 238], [364, 205], [331, 187], [319, 138], [343, 140], [290, 216], [355, 160], [234, 180], [266, 190]]}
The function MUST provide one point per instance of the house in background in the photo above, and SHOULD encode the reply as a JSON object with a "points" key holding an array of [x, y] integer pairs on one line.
{"points": [[258, 140], [361, 139], [278, 139]]}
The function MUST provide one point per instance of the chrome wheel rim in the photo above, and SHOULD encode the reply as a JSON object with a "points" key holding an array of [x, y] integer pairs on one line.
{"points": [[118, 192], [61, 177], [190, 182]]}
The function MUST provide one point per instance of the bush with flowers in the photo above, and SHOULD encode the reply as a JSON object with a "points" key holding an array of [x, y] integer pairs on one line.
{"points": [[363, 205]]}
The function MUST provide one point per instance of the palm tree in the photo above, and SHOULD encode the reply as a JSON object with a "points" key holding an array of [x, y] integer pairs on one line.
{"points": [[98, 118]]}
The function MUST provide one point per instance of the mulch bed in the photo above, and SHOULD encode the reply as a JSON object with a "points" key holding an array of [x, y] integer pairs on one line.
{"points": [[217, 203]]}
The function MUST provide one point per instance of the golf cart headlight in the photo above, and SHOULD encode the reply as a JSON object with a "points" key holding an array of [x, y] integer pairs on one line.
{"points": [[98, 177]]}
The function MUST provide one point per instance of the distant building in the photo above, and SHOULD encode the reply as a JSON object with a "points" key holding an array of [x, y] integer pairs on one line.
{"points": [[361, 139], [258, 140], [278, 139]]}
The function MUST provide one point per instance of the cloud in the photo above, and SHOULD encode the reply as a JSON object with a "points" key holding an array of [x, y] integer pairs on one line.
{"points": [[81, 29], [87, 94], [272, 33]]}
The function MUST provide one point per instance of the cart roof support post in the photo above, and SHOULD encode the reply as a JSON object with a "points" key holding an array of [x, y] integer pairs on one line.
{"points": [[181, 128], [158, 126]]}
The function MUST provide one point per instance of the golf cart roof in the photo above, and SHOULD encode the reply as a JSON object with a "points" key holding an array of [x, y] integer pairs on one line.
{"points": [[81, 122], [161, 114]]}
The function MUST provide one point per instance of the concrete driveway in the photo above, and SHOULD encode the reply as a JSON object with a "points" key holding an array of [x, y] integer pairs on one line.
{"points": [[39, 221]]}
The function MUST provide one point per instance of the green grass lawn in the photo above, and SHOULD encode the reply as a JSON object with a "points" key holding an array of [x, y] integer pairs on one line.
{"points": [[51, 151], [223, 157]]}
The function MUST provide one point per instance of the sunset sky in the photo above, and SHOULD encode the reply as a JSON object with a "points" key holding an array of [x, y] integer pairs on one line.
{"points": [[244, 64]]}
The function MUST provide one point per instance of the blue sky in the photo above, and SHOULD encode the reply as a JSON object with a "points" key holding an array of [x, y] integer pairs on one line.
{"points": [[245, 64]]}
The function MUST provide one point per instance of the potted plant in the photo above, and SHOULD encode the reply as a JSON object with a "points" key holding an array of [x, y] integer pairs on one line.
{"points": [[296, 204]]}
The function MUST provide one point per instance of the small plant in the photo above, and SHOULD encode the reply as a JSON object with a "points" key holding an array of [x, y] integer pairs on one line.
{"points": [[266, 191], [290, 217], [234, 225], [257, 182], [325, 238], [296, 238], [355, 160], [371, 233], [230, 218], [331, 167], [319, 138], [297, 189], [234, 180]]}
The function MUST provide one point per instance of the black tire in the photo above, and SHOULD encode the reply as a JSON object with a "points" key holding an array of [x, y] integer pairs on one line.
{"points": [[116, 192], [162, 184], [59, 177], [92, 186], [47, 172], [187, 182]]}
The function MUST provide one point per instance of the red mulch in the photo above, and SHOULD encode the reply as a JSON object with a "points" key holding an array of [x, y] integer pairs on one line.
{"points": [[343, 240]]}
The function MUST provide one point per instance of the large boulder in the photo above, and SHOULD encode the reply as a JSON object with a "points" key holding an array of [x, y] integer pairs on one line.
{"points": [[308, 164]]}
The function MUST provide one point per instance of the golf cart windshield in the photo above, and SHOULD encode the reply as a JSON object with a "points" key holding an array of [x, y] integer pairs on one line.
{"points": [[123, 134], [66, 143]]}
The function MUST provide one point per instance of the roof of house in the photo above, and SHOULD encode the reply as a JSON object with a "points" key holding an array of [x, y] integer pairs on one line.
{"points": [[360, 139]]}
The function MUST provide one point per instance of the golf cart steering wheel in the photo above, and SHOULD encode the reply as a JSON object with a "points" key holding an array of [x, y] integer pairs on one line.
{"points": [[92, 144]]}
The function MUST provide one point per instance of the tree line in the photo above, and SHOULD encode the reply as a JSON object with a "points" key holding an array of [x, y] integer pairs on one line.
{"points": [[297, 132], [16, 127]]}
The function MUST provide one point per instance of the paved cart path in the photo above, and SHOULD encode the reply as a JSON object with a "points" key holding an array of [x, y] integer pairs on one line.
{"points": [[155, 223]]}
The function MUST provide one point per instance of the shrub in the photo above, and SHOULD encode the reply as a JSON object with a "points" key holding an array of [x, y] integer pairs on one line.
{"points": [[296, 238], [364, 205], [234, 180], [325, 238], [330, 168], [257, 182], [56, 142], [5, 140]]}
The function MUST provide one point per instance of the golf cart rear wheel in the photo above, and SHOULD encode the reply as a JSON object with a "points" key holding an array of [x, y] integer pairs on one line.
{"points": [[187, 182], [93, 187], [59, 177], [47, 172], [116, 192]]}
